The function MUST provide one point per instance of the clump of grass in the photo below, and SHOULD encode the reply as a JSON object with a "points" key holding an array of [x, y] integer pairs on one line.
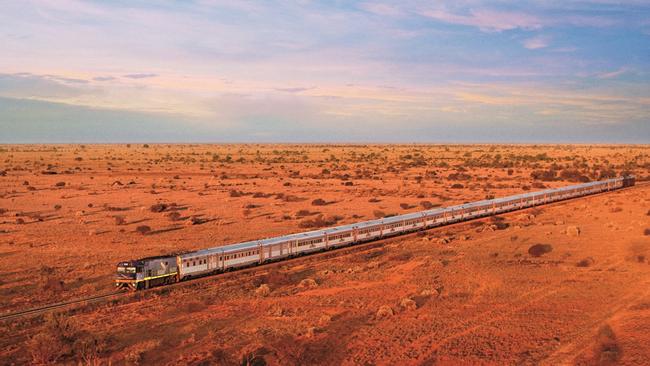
{"points": [[119, 220]]}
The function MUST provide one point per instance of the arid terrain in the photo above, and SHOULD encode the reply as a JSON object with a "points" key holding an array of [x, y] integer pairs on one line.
{"points": [[480, 292]]}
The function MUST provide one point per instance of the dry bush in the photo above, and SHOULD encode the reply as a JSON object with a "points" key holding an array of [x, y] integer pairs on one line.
{"points": [[112, 208], [255, 358], [263, 290], [646, 231], [405, 206], [57, 207], [457, 186], [400, 257], [143, 229], [193, 306], [573, 175], [55, 340], [538, 250], [158, 207], [459, 176], [174, 216], [587, 262], [119, 220], [52, 284], [544, 175], [385, 311], [308, 283], [379, 214], [133, 354], [320, 221], [195, 220], [427, 205], [606, 349], [60, 184], [318, 202], [236, 193], [375, 200], [45, 349], [303, 213], [89, 347]]}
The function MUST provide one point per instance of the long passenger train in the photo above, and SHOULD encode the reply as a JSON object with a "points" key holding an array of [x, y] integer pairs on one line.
{"points": [[154, 271]]}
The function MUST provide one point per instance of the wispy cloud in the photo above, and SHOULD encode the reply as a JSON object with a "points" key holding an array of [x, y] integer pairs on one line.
{"points": [[104, 78], [140, 76], [536, 42], [487, 20], [613, 74]]}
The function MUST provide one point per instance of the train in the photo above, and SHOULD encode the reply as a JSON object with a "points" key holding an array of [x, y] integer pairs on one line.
{"points": [[161, 270]]}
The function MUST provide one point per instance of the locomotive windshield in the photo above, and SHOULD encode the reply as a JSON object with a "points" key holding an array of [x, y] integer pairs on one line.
{"points": [[128, 269]]}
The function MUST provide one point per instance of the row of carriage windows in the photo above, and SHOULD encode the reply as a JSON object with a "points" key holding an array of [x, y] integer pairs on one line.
{"points": [[362, 231], [221, 258]]}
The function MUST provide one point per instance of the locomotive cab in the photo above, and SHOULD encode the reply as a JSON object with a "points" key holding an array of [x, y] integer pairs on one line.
{"points": [[146, 272], [128, 274]]}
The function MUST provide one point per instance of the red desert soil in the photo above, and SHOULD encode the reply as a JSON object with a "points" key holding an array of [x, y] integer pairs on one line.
{"points": [[561, 284]]}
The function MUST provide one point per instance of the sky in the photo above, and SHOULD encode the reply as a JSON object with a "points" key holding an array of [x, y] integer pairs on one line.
{"points": [[325, 71]]}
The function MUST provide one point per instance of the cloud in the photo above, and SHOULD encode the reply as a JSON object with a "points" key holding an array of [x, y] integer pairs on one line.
{"points": [[613, 74], [536, 42], [140, 76], [488, 20], [104, 78], [294, 90], [380, 9], [27, 85], [498, 20]]}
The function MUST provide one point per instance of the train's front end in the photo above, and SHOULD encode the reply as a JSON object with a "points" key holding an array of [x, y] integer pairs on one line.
{"points": [[129, 274]]}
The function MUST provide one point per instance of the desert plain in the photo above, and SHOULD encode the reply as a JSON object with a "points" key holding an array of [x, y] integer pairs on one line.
{"points": [[471, 293]]}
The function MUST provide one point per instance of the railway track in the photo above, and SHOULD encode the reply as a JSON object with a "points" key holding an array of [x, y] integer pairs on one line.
{"points": [[261, 270]]}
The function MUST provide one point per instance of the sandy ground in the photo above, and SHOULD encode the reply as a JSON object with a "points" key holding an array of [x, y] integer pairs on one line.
{"points": [[468, 294]]}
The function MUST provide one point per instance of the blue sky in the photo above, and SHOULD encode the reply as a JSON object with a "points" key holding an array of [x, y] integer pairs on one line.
{"points": [[294, 71]]}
